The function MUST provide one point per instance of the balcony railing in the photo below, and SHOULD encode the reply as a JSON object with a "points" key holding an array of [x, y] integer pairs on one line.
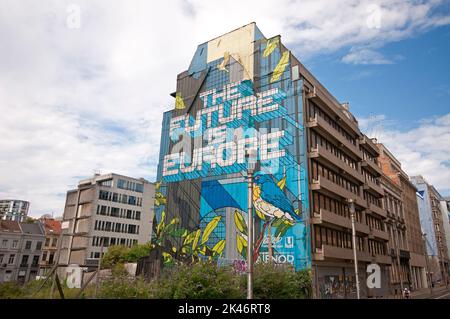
{"points": [[328, 251], [325, 216], [373, 186], [321, 152], [329, 130], [325, 183]]}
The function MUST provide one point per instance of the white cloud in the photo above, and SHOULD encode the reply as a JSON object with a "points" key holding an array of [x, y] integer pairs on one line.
{"points": [[77, 100], [365, 56], [422, 150]]}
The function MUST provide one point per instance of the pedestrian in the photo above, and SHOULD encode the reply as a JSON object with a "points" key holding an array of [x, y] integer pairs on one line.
{"points": [[406, 293]]}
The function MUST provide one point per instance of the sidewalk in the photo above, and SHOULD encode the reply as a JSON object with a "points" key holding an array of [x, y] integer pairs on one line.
{"points": [[423, 293]]}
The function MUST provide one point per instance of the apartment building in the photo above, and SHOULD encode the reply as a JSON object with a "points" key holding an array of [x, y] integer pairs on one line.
{"points": [[343, 165], [52, 232], [14, 209], [244, 82], [20, 250], [432, 223], [406, 244], [105, 210]]}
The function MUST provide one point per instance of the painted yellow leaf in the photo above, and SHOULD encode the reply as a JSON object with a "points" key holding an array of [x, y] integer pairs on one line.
{"points": [[226, 59], [282, 183], [260, 215], [209, 228], [218, 248], [174, 249], [179, 103], [196, 239], [240, 222], [189, 238], [161, 224], [256, 192], [271, 45], [241, 243], [281, 66]]}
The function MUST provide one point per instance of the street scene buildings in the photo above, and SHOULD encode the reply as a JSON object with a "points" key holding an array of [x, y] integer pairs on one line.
{"points": [[254, 140]]}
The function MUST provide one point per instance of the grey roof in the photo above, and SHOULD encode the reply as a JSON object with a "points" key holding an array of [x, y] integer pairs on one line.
{"points": [[31, 228]]}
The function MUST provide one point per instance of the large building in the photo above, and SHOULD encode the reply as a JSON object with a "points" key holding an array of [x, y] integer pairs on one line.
{"points": [[247, 105], [13, 209], [105, 210], [445, 209], [431, 220], [406, 244], [20, 250]]}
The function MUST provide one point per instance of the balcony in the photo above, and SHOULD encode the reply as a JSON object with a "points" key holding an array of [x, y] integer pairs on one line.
{"points": [[322, 100], [321, 154], [383, 259], [377, 210], [325, 184], [381, 234], [325, 128], [369, 164], [369, 144], [373, 187], [328, 251], [325, 216]]}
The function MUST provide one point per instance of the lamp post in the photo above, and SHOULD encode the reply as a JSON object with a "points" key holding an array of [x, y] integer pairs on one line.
{"points": [[351, 205], [250, 169]]}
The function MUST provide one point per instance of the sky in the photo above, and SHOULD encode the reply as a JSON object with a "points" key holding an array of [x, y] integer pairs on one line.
{"points": [[83, 84]]}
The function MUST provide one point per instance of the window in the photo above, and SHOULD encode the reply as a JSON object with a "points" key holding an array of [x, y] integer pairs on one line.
{"points": [[15, 244], [4, 242], [39, 245], [47, 241], [1, 258], [50, 260], [35, 261], [11, 259], [107, 183], [44, 256], [24, 261], [28, 244], [138, 215], [55, 240], [103, 195], [132, 200]]}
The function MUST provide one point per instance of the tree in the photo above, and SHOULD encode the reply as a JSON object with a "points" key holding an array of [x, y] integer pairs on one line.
{"points": [[116, 254]]}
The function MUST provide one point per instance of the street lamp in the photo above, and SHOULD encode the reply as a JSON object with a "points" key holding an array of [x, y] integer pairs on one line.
{"points": [[351, 205], [251, 163]]}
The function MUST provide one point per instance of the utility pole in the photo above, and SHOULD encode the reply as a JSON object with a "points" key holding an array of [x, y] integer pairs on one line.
{"points": [[269, 242], [351, 204], [58, 253], [250, 169]]}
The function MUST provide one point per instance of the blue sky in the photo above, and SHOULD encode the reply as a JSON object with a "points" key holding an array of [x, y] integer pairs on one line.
{"points": [[415, 86], [84, 83]]}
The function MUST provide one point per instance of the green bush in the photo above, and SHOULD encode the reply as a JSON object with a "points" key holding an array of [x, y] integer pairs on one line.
{"points": [[120, 287], [202, 280], [272, 281], [11, 290]]}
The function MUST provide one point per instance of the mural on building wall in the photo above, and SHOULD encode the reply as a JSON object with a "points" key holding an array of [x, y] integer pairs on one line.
{"points": [[244, 112]]}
